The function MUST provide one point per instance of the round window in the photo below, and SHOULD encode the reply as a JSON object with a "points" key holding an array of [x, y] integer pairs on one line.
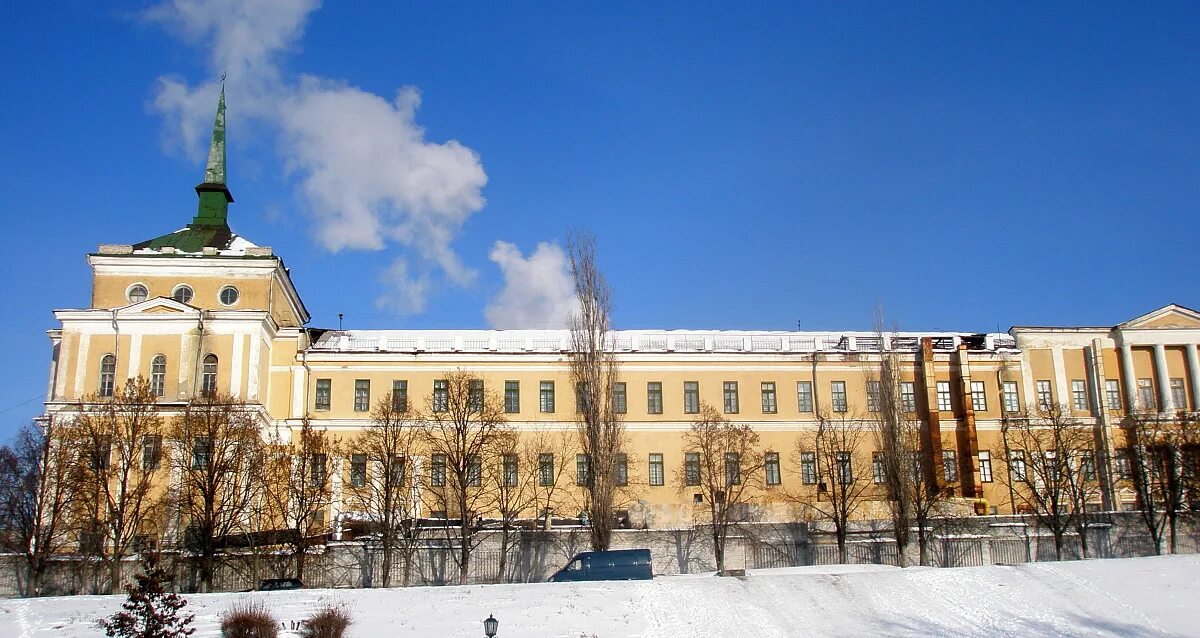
{"points": [[136, 293], [182, 294], [229, 295]]}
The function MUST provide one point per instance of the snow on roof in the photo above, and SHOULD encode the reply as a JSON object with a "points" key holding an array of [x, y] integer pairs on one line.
{"points": [[680, 341], [236, 246]]}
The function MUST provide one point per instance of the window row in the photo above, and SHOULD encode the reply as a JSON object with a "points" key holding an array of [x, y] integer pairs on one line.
{"points": [[731, 404], [183, 293], [158, 375]]}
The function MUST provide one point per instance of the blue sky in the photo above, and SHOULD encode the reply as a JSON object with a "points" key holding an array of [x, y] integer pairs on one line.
{"points": [[971, 166]]}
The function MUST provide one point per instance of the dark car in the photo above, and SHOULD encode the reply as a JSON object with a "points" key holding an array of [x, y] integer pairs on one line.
{"points": [[276, 584], [617, 564]]}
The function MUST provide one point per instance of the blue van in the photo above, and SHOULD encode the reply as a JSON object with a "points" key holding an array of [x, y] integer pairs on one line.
{"points": [[617, 564]]}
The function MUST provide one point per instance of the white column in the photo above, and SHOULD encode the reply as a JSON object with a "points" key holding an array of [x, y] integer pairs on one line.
{"points": [[1162, 379], [60, 373], [1062, 393], [1129, 377], [81, 366], [335, 505], [135, 355], [1193, 361], [236, 363]]}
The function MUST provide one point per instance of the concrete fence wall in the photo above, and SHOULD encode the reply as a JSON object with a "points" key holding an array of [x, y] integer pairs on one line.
{"points": [[532, 556]]}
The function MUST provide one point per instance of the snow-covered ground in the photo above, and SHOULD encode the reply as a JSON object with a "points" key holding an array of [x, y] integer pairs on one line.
{"points": [[1122, 597]]}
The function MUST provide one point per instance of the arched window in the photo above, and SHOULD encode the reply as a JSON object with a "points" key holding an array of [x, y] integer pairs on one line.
{"points": [[108, 373], [208, 379], [158, 375]]}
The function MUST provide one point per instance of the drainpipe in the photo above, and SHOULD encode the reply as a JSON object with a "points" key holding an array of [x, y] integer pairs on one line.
{"points": [[198, 365]]}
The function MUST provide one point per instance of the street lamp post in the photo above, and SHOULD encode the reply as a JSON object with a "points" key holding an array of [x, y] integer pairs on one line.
{"points": [[490, 626]]}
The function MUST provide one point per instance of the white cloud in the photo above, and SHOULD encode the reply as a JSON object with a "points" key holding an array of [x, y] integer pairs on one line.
{"points": [[369, 177], [538, 291], [402, 292]]}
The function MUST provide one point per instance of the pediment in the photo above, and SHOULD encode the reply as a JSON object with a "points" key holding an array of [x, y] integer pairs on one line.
{"points": [[1172, 316], [158, 305]]}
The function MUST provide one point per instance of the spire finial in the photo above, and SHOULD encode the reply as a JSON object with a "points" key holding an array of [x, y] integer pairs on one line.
{"points": [[214, 194]]}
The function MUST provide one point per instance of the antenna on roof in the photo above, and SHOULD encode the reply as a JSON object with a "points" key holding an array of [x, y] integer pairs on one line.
{"points": [[797, 325], [340, 315]]}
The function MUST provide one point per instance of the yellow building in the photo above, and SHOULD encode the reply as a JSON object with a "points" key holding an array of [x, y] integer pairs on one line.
{"points": [[203, 309]]}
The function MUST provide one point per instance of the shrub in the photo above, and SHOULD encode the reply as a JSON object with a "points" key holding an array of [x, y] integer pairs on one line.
{"points": [[330, 622], [249, 619], [150, 611]]}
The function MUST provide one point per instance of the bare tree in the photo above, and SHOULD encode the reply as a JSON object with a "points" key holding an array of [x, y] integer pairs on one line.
{"points": [[1161, 450], [217, 462], [548, 453], [915, 495], [837, 450], [300, 488], [122, 437], [1051, 470], [463, 428], [35, 495], [381, 482], [727, 467], [514, 486], [594, 373]]}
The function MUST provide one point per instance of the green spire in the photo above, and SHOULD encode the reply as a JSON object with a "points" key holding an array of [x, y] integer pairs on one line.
{"points": [[214, 172], [214, 194]]}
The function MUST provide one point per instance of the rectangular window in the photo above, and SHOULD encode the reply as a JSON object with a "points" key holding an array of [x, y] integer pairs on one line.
{"points": [[943, 396], [873, 396], [201, 453], [1016, 463], [908, 396], [512, 397], [151, 452], [657, 476], [733, 469], [397, 472], [546, 396], [949, 466], [808, 468], [324, 390], [582, 397], [979, 396], [510, 470], [730, 390], [985, 466], [691, 397], [1112, 391], [654, 399], [358, 470], [838, 392], [1178, 394], [437, 470], [441, 395], [878, 473], [845, 470], [804, 397], [1012, 401], [583, 470], [1045, 395], [1079, 397], [691, 468], [1146, 399], [316, 469], [620, 470], [769, 404], [1087, 465], [474, 471], [619, 403], [546, 469], [399, 395], [362, 395], [1121, 460], [771, 465], [475, 395]]}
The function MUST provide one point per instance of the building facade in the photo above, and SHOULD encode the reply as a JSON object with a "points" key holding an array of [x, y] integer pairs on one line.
{"points": [[203, 310]]}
